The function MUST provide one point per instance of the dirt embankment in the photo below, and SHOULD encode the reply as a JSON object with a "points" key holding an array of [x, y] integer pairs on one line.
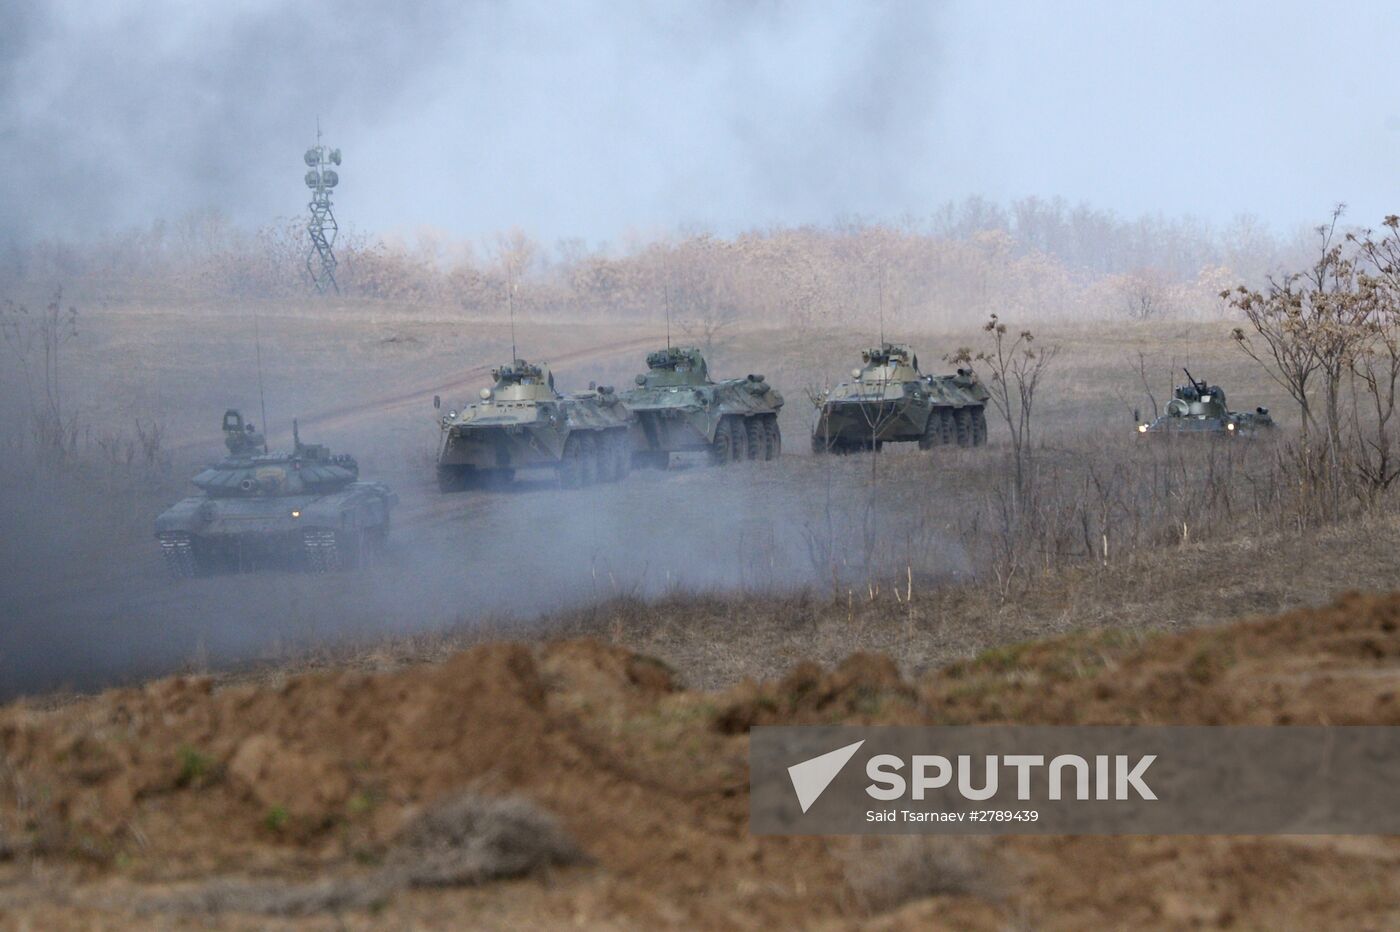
{"points": [[309, 800]]}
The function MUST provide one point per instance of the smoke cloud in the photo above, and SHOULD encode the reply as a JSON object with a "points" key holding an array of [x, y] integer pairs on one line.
{"points": [[566, 118], [600, 120]]}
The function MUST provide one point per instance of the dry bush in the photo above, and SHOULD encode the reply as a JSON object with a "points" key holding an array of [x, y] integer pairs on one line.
{"points": [[463, 840], [470, 839], [886, 873]]}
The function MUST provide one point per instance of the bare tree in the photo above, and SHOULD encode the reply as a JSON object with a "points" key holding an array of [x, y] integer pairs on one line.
{"points": [[1375, 371], [36, 342], [1017, 366], [1145, 294], [1146, 383], [1312, 326]]}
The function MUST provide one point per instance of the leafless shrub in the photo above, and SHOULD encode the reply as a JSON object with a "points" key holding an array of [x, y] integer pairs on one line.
{"points": [[1017, 368], [1145, 294], [470, 839], [463, 840], [36, 341], [1146, 382], [886, 873]]}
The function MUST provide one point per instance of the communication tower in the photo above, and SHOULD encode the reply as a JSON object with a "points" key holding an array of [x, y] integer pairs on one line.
{"points": [[320, 259]]}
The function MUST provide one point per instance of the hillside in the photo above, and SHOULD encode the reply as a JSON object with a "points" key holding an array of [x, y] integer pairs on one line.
{"points": [[346, 797]]}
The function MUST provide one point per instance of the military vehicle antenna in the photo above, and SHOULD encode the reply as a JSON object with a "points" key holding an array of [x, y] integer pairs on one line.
{"points": [[666, 290], [510, 303], [262, 399], [322, 226], [881, 293]]}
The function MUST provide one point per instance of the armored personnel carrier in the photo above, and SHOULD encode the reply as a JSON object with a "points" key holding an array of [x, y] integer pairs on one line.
{"points": [[1199, 409], [889, 401], [307, 506], [678, 408], [522, 422]]}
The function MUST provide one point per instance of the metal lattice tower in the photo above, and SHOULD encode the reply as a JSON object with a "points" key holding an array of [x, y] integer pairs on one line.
{"points": [[320, 259]]}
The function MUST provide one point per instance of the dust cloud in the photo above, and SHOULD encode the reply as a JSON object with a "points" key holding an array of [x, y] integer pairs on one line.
{"points": [[507, 558]]}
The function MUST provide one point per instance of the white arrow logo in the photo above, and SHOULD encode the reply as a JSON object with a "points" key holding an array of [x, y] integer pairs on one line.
{"points": [[811, 777]]}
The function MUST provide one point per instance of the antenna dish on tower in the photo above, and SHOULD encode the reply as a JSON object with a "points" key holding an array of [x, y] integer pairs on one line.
{"points": [[322, 227]]}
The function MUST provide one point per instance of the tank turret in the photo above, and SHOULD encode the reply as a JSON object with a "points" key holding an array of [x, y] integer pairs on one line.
{"points": [[250, 472]]}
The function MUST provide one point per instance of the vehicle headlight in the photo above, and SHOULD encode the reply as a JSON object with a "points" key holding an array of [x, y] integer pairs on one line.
{"points": [[296, 513], [1142, 428], [1229, 426], [452, 415]]}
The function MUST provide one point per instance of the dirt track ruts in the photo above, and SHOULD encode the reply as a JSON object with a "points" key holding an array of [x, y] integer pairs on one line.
{"points": [[466, 379]]}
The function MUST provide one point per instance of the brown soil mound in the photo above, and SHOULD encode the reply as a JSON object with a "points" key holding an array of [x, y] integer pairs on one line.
{"points": [[166, 795]]}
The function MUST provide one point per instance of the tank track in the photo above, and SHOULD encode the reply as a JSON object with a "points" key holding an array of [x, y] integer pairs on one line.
{"points": [[323, 553], [178, 551]]}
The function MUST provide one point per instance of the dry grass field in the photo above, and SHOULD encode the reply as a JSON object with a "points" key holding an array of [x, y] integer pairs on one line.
{"points": [[615, 635], [82, 569]]}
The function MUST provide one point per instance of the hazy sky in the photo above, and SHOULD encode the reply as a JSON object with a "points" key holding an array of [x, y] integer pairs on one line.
{"points": [[596, 119]]}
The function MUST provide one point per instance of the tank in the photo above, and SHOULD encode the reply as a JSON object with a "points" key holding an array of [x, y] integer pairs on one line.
{"points": [[306, 507], [523, 422], [678, 408], [1200, 409], [888, 400]]}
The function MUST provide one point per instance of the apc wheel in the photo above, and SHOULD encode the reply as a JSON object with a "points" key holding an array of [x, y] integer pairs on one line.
{"points": [[498, 478], [947, 426], [755, 438], [933, 433], [979, 427], [608, 464], [377, 537], [571, 466], [454, 478], [740, 439], [621, 456], [772, 437], [592, 457], [722, 450], [963, 421]]}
